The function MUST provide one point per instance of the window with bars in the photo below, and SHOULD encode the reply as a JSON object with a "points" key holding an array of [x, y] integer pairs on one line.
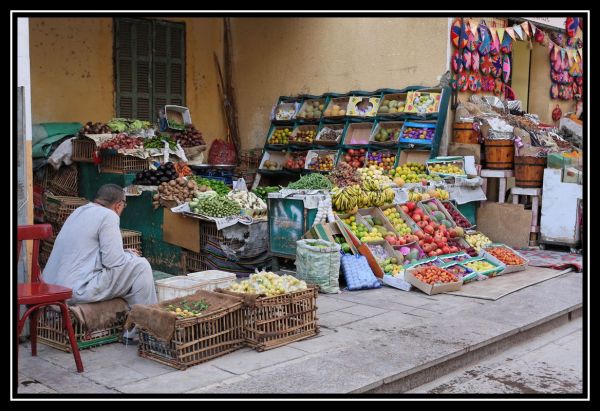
{"points": [[149, 67]]}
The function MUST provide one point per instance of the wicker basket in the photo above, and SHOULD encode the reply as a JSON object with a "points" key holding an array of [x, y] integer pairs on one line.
{"points": [[59, 208], [194, 262], [271, 322], [51, 331], [122, 164], [64, 181], [197, 339], [132, 239], [83, 150]]}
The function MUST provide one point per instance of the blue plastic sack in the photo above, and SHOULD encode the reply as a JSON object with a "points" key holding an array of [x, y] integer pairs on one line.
{"points": [[357, 273]]}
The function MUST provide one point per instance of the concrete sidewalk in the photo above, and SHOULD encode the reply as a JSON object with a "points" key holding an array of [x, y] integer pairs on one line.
{"points": [[378, 341]]}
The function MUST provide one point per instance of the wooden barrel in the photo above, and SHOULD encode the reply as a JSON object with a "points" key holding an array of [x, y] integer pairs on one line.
{"points": [[464, 133], [499, 154], [529, 171]]}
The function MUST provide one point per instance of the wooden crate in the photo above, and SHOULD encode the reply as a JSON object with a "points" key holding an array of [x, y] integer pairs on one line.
{"points": [[197, 339], [132, 239], [51, 331], [122, 164], [271, 322], [83, 150]]}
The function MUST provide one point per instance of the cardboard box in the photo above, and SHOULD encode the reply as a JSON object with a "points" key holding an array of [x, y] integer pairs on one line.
{"points": [[179, 114], [181, 230], [430, 289], [505, 223], [359, 106], [509, 268], [413, 107], [413, 156]]}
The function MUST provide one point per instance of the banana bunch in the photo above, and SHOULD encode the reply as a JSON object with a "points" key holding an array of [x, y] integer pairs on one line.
{"points": [[370, 185], [345, 198], [442, 194], [389, 195], [414, 196], [363, 199]]}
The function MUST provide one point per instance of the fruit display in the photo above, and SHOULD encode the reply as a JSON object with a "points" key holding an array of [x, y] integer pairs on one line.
{"points": [[218, 186], [454, 168], [477, 241], [190, 137], [461, 244], [296, 161], [303, 136], [354, 157], [418, 102], [384, 160], [506, 255], [345, 199], [263, 191], [418, 133], [458, 218], [215, 206], [311, 110], [457, 257], [392, 106], [122, 141], [436, 211], [434, 237], [404, 232], [280, 136], [271, 165], [481, 266], [94, 128], [269, 284], [285, 111], [329, 135], [344, 175], [321, 162], [462, 273], [376, 188], [164, 173], [339, 239], [336, 108], [411, 253], [381, 226], [434, 275], [362, 232], [312, 181], [412, 173], [185, 309], [386, 134], [389, 264]]}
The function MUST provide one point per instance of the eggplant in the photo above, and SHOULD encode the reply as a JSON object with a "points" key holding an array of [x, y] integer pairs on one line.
{"points": [[164, 179]]}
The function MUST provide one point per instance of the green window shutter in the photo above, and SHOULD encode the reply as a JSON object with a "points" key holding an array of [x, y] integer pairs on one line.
{"points": [[169, 64], [149, 66]]}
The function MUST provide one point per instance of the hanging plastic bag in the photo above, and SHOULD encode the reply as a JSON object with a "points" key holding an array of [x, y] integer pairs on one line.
{"points": [[240, 185], [221, 152]]}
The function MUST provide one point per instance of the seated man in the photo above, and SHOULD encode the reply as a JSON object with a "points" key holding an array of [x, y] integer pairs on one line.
{"points": [[88, 255]]}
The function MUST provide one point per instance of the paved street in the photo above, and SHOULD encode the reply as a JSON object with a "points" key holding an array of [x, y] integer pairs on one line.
{"points": [[549, 363]]}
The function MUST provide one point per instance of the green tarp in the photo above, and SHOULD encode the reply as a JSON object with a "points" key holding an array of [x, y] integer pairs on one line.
{"points": [[46, 134]]}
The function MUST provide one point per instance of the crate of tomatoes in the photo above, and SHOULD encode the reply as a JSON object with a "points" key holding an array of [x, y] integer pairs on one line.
{"points": [[513, 260], [432, 280]]}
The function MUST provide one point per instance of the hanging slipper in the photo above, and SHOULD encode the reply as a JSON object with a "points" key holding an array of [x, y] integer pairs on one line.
{"points": [[458, 34], [554, 91], [463, 82], [494, 47], [475, 61], [506, 46], [498, 87], [575, 88], [506, 68], [555, 76], [473, 40], [485, 64], [555, 61], [496, 70], [485, 39], [467, 59], [571, 26], [579, 81], [489, 83], [474, 82], [457, 62]]}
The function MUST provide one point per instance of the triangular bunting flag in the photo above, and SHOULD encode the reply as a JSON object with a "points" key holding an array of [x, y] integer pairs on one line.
{"points": [[572, 53], [525, 26], [474, 26], [500, 34], [556, 50], [519, 32], [511, 32], [494, 35], [533, 29], [550, 46], [562, 53]]}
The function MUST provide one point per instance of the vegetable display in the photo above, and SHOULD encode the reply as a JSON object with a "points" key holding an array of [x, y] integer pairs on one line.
{"points": [[164, 173], [185, 309], [122, 141], [313, 181], [269, 284], [215, 206], [189, 137], [263, 192], [94, 128], [220, 187], [179, 190], [124, 125], [247, 200], [157, 142]]}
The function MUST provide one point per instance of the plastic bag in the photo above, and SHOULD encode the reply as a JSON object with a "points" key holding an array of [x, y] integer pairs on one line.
{"points": [[318, 262], [240, 185], [221, 152], [358, 273]]}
